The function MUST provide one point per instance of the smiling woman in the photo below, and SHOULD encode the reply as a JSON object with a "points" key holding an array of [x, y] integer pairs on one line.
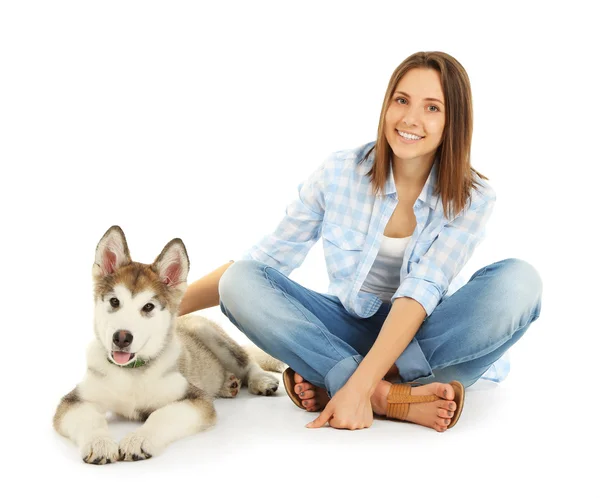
{"points": [[428, 97], [400, 218], [412, 119]]}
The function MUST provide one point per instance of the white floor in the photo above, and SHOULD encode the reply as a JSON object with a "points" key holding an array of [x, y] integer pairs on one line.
{"points": [[509, 441]]}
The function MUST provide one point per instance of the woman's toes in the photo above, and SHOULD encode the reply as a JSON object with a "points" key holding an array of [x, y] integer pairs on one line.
{"points": [[444, 413], [298, 378], [308, 394], [444, 409], [444, 391], [439, 427], [442, 424], [309, 403], [303, 387]]}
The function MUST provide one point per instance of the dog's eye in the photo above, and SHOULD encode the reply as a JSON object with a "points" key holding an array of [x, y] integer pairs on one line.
{"points": [[114, 302], [148, 307]]}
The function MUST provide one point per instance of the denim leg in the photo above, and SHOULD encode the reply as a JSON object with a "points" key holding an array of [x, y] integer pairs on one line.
{"points": [[474, 327], [319, 339], [309, 331]]}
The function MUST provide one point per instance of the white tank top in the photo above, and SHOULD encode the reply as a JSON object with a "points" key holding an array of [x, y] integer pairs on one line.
{"points": [[383, 279]]}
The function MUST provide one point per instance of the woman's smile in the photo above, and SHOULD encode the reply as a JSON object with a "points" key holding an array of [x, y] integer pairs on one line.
{"points": [[408, 138]]}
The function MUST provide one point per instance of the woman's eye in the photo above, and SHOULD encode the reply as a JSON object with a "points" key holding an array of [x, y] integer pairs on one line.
{"points": [[148, 307], [114, 302], [400, 99], [433, 107]]}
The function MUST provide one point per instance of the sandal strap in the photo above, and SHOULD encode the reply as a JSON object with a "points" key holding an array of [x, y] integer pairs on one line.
{"points": [[399, 398]]}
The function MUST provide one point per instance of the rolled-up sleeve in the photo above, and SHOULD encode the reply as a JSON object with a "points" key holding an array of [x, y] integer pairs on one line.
{"points": [[429, 278], [286, 248]]}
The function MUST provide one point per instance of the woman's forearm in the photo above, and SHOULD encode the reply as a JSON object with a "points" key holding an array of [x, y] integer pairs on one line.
{"points": [[204, 292], [399, 328]]}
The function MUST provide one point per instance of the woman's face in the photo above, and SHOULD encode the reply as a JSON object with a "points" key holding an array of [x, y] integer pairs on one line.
{"points": [[414, 120]]}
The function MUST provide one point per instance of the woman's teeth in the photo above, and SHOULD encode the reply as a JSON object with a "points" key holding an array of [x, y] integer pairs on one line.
{"points": [[409, 136]]}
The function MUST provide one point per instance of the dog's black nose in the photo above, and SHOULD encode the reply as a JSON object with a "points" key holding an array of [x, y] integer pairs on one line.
{"points": [[122, 338]]}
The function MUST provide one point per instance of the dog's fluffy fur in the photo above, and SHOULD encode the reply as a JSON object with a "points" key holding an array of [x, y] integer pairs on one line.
{"points": [[181, 363]]}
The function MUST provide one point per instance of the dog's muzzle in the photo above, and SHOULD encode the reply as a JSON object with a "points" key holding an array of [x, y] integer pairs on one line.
{"points": [[122, 339]]}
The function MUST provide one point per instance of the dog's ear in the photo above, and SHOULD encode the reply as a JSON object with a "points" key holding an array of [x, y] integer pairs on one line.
{"points": [[173, 264], [111, 252]]}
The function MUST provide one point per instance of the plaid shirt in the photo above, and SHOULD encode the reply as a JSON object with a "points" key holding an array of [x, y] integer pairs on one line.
{"points": [[337, 203]]}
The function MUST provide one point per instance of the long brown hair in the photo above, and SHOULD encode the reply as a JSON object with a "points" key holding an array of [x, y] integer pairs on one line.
{"points": [[456, 177]]}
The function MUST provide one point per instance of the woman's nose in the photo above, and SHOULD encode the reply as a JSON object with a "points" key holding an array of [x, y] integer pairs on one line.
{"points": [[410, 117]]}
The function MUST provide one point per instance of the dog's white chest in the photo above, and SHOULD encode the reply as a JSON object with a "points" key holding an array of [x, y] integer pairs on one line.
{"points": [[128, 393]]}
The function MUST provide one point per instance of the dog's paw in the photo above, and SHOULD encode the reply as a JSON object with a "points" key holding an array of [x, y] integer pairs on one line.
{"points": [[263, 383], [100, 450], [231, 387], [135, 446]]}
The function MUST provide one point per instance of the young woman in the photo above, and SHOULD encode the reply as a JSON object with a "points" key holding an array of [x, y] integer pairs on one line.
{"points": [[399, 219]]}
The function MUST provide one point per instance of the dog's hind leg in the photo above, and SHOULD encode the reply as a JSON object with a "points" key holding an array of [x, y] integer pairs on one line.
{"points": [[235, 359], [83, 424], [191, 414], [232, 356], [231, 386]]}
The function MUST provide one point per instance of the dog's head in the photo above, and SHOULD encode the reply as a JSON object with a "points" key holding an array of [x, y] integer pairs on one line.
{"points": [[135, 303]]}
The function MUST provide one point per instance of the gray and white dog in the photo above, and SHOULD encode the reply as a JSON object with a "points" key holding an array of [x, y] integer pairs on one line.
{"points": [[146, 363]]}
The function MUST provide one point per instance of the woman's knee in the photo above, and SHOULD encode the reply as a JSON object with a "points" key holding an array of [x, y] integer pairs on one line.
{"points": [[245, 300], [239, 280], [522, 282]]}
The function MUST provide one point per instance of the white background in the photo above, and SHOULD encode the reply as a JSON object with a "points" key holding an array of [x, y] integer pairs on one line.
{"points": [[198, 121]]}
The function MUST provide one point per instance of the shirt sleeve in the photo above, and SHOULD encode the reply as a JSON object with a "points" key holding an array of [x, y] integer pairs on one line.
{"points": [[286, 248], [429, 278]]}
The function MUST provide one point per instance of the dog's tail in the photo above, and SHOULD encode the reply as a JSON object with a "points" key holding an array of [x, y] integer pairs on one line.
{"points": [[264, 360]]}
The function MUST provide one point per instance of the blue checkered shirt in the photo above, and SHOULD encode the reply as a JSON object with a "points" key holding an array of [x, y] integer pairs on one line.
{"points": [[336, 203]]}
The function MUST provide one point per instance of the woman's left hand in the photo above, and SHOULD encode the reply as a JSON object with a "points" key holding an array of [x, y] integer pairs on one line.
{"points": [[348, 409]]}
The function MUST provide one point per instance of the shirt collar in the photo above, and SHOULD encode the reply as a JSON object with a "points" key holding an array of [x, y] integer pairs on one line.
{"points": [[428, 195], [390, 186]]}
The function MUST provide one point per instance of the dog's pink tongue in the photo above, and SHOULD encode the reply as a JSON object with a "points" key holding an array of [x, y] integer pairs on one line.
{"points": [[120, 357]]}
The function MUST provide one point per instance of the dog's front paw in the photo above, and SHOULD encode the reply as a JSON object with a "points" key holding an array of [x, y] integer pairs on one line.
{"points": [[100, 450], [136, 446], [263, 383]]}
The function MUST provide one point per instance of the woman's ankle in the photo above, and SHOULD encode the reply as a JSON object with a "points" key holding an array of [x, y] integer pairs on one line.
{"points": [[379, 397]]}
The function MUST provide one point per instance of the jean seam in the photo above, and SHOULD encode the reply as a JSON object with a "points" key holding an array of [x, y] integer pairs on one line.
{"points": [[273, 285], [481, 353]]}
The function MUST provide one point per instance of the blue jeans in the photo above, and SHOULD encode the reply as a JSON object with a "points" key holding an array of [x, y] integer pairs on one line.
{"points": [[315, 335]]}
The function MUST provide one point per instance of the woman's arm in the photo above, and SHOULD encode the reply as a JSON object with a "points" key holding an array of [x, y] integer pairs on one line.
{"points": [[422, 290], [399, 328], [350, 407], [416, 298], [204, 292]]}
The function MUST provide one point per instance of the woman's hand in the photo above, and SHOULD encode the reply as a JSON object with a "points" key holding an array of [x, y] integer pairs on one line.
{"points": [[348, 409]]}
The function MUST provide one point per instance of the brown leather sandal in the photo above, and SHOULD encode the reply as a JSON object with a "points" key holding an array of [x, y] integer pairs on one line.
{"points": [[399, 398], [288, 382]]}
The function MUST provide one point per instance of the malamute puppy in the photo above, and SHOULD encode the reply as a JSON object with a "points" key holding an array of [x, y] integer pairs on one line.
{"points": [[147, 364]]}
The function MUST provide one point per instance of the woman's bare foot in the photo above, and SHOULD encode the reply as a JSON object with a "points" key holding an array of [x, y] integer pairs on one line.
{"points": [[436, 414], [313, 398]]}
